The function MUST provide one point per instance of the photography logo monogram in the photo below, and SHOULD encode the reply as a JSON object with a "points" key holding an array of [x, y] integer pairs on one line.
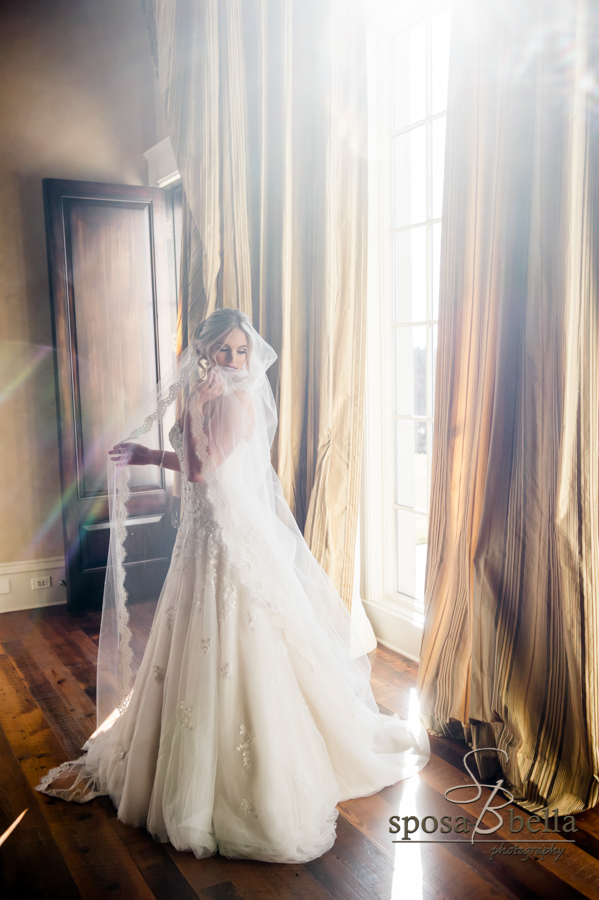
{"points": [[537, 848]]}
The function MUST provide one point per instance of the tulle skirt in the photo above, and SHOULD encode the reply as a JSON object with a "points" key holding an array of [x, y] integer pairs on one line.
{"points": [[247, 724]]}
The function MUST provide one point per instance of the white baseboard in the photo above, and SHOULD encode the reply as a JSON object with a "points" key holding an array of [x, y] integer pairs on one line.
{"points": [[394, 629], [17, 577]]}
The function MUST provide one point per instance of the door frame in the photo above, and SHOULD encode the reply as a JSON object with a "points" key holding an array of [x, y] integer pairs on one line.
{"points": [[144, 503]]}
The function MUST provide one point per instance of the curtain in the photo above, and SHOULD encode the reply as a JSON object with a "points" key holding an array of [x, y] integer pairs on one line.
{"points": [[510, 647], [266, 108]]}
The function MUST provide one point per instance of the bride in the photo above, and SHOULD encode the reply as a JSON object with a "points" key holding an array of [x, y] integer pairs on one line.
{"points": [[248, 720]]}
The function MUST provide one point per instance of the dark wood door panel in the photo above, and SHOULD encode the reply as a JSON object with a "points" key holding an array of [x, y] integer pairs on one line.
{"points": [[113, 321]]}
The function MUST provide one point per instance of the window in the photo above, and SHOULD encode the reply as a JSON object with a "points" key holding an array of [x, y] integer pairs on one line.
{"points": [[419, 65], [408, 68]]}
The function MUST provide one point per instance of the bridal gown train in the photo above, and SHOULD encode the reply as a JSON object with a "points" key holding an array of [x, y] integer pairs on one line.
{"points": [[246, 724]]}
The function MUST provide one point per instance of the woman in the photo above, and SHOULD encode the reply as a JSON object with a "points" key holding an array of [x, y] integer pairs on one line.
{"points": [[248, 720]]}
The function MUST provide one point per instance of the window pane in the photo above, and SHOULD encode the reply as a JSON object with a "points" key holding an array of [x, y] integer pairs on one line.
{"points": [[409, 177], [438, 165], [411, 454], [410, 275], [436, 263], [411, 553], [441, 28], [410, 371], [409, 76]]}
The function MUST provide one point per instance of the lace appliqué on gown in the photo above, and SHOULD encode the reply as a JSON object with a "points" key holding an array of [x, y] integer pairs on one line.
{"points": [[246, 747], [185, 714], [248, 807]]}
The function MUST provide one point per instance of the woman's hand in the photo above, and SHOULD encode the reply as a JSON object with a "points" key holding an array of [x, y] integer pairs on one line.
{"points": [[128, 454], [211, 387]]}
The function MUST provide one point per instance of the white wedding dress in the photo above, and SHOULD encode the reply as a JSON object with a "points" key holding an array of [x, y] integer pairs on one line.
{"points": [[247, 723]]}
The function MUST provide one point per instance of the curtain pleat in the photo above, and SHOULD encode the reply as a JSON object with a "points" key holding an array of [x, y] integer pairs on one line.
{"points": [[509, 655], [265, 103]]}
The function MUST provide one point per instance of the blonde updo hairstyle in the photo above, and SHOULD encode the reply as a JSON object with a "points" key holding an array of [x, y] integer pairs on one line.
{"points": [[211, 333]]}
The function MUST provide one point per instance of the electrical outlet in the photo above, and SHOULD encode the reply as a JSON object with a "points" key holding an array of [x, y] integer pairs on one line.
{"points": [[4, 585], [38, 583]]}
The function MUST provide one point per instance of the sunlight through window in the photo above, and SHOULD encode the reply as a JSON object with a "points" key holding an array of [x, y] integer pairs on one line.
{"points": [[420, 57], [407, 863]]}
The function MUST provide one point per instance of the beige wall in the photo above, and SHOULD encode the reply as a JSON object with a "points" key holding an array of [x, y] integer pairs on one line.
{"points": [[76, 101]]}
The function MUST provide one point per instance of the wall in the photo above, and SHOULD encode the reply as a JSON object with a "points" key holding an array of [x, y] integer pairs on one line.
{"points": [[77, 101]]}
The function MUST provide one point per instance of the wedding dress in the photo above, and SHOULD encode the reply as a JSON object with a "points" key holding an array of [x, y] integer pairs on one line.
{"points": [[248, 721]]}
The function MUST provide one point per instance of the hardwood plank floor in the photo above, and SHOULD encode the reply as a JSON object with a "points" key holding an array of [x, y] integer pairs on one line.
{"points": [[62, 850]]}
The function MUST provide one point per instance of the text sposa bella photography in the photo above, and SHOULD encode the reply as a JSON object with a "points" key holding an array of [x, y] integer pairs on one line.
{"points": [[426, 828]]}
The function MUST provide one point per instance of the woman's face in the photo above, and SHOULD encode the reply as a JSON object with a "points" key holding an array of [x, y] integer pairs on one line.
{"points": [[232, 353]]}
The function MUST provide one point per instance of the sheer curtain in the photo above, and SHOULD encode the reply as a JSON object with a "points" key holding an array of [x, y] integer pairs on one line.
{"points": [[510, 648], [265, 103]]}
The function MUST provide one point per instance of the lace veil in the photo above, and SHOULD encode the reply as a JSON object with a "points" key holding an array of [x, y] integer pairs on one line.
{"points": [[227, 452]]}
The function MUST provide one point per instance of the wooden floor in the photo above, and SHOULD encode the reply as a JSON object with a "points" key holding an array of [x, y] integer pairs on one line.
{"points": [[63, 850]]}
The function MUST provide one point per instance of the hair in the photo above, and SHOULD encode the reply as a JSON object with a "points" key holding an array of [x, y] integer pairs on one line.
{"points": [[213, 330]]}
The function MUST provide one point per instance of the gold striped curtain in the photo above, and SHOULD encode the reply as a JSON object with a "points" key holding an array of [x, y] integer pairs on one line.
{"points": [[265, 103], [510, 649]]}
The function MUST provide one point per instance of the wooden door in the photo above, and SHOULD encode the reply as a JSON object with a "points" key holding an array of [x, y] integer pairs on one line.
{"points": [[113, 321]]}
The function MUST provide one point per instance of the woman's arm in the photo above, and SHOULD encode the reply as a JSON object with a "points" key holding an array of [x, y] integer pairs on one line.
{"points": [[129, 454]]}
